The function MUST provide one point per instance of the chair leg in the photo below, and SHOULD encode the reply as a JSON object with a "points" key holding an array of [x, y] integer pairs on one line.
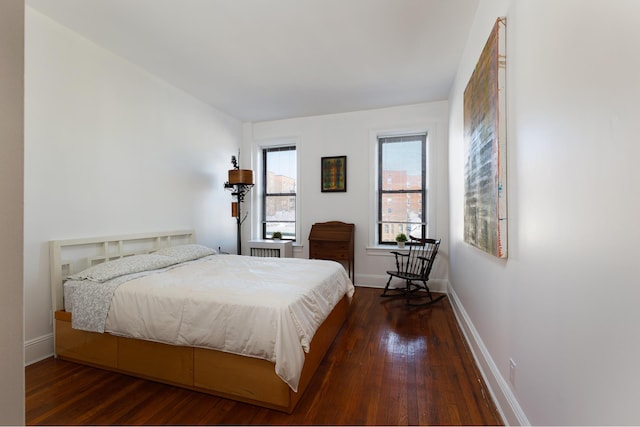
{"points": [[411, 294], [395, 292], [386, 288]]}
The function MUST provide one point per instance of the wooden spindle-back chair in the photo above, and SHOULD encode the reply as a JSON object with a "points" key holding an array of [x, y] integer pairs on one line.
{"points": [[414, 268]]}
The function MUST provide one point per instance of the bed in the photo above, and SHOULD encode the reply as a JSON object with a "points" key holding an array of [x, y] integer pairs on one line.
{"points": [[160, 307]]}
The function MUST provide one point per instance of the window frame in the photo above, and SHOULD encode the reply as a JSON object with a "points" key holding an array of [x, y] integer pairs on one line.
{"points": [[264, 194], [381, 194]]}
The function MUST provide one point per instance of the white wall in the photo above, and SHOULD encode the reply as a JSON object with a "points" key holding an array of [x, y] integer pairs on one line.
{"points": [[564, 305], [354, 135], [11, 222], [111, 149]]}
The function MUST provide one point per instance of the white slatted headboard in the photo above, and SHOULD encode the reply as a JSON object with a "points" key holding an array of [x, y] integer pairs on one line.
{"points": [[74, 255]]}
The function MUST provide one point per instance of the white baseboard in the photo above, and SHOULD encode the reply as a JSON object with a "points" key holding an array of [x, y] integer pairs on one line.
{"points": [[503, 397], [38, 349], [379, 281]]}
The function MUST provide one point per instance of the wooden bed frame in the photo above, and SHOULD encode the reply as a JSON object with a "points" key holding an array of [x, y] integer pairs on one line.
{"points": [[243, 378]]}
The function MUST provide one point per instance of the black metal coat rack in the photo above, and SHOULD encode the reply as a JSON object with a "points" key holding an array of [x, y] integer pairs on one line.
{"points": [[240, 183]]}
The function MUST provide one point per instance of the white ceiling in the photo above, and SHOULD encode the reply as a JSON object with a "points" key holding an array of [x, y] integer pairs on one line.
{"points": [[262, 60]]}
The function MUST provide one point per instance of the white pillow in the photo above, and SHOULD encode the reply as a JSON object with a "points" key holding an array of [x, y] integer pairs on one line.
{"points": [[121, 266], [184, 253]]}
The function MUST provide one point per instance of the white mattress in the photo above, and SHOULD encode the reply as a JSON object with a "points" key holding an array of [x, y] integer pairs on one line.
{"points": [[268, 308]]}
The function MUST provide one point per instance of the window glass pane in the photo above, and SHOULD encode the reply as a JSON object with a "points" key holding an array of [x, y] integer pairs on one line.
{"points": [[390, 231], [402, 208], [281, 171], [402, 165], [279, 192], [401, 190], [280, 208], [288, 229]]}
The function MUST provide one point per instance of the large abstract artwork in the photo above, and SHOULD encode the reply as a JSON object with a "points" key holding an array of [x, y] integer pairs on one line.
{"points": [[485, 198]]}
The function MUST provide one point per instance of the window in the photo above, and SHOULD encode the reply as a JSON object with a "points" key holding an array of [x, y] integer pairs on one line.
{"points": [[402, 188], [279, 168]]}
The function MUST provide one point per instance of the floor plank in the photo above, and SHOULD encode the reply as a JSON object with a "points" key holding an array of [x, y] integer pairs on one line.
{"points": [[390, 365]]}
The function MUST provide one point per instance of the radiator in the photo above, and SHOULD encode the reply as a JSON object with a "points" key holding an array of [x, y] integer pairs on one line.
{"points": [[271, 248], [265, 252]]}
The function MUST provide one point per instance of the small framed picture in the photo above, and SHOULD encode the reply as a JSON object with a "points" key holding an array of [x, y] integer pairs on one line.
{"points": [[334, 174]]}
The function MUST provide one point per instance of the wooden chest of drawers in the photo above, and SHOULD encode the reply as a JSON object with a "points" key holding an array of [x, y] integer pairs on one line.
{"points": [[333, 240]]}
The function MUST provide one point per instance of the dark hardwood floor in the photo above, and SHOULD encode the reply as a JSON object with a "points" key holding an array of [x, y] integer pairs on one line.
{"points": [[390, 365]]}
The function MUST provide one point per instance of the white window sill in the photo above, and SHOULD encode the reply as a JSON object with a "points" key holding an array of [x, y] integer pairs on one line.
{"points": [[384, 250]]}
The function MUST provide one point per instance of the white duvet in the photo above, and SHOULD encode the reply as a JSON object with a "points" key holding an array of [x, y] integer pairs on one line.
{"points": [[268, 308]]}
